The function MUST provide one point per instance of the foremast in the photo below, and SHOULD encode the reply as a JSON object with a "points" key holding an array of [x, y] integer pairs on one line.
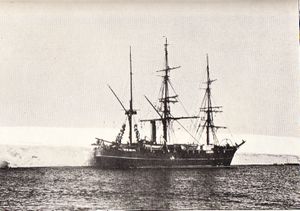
{"points": [[209, 109]]}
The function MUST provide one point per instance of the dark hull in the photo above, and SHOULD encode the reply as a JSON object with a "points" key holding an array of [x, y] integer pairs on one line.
{"points": [[121, 160]]}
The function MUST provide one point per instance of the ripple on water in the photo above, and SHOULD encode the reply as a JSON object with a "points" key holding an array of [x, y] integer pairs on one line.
{"points": [[242, 187]]}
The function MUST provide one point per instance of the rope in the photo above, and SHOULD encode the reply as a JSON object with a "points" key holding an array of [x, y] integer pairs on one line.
{"points": [[225, 121], [201, 132], [197, 123], [187, 131], [185, 110]]}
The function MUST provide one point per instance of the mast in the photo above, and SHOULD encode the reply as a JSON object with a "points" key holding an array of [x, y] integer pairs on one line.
{"points": [[166, 110], [130, 112], [210, 109], [208, 112], [166, 98], [164, 114]]}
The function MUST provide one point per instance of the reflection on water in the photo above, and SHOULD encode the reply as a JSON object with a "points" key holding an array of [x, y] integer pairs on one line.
{"points": [[239, 187]]}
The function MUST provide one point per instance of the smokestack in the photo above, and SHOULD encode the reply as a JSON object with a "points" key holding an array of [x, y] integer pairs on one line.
{"points": [[153, 131]]}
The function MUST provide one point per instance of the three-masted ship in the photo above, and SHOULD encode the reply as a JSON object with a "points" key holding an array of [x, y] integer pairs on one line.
{"points": [[143, 153]]}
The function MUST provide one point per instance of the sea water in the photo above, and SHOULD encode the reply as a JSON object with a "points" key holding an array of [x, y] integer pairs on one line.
{"points": [[87, 188]]}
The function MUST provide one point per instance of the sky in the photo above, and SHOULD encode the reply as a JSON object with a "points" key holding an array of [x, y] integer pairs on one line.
{"points": [[56, 60]]}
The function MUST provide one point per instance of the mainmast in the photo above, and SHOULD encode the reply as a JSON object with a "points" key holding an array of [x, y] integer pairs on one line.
{"points": [[165, 99], [164, 114], [208, 111]]}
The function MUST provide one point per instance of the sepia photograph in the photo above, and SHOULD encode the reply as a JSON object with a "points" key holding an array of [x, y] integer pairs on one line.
{"points": [[149, 105]]}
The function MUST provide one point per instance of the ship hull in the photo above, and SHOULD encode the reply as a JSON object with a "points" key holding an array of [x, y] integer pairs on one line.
{"points": [[123, 160]]}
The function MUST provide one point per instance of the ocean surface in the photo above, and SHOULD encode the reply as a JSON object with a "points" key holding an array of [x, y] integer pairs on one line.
{"points": [[87, 188]]}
